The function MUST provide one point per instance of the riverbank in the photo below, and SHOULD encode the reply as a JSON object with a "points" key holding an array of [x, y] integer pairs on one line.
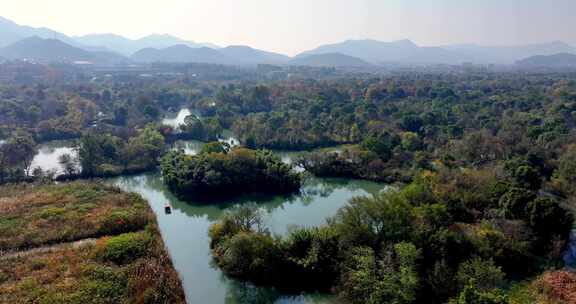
{"points": [[82, 242]]}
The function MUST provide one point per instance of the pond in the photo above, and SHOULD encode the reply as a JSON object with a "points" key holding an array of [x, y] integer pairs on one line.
{"points": [[47, 157], [175, 119]]}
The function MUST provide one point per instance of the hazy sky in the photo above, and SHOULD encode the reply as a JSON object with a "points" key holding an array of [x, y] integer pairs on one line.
{"points": [[290, 26]]}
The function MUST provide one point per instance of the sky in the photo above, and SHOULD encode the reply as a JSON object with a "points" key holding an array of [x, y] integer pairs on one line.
{"points": [[292, 26]]}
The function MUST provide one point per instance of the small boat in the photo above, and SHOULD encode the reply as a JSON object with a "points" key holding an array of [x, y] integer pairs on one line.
{"points": [[168, 208]]}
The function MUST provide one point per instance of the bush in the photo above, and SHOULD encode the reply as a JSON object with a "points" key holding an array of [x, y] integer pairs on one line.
{"points": [[470, 295], [547, 218], [392, 279], [103, 284], [482, 275], [246, 218], [123, 248], [249, 256], [122, 221], [311, 258], [513, 203]]}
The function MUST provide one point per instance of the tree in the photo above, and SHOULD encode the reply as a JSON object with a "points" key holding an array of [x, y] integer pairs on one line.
{"points": [[411, 123], [68, 163], [482, 275], [145, 149], [370, 221], [381, 144], [411, 142], [215, 147], [471, 295], [393, 279], [523, 174], [18, 152], [548, 219], [249, 256], [567, 166], [513, 203]]}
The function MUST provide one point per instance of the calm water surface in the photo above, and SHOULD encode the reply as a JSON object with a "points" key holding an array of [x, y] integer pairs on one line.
{"points": [[48, 154]]}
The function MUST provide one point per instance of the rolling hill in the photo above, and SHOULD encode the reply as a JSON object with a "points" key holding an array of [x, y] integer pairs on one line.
{"points": [[563, 60], [128, 47], [233, 55], [10, 32], [247, 55], [329, 60], [405, 51], [54, 50]]}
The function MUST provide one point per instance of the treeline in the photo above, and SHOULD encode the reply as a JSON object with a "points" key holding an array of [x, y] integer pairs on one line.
{"points": [[68, 111], [458, 236], [97, 155], [106, 155], [16, 155], [220, 171]]}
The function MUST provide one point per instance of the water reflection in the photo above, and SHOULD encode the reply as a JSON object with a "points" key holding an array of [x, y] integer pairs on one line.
{"points": [[185, 232], [47, 157], [175, 119]]}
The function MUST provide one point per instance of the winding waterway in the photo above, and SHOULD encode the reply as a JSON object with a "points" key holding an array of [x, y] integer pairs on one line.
{"points": [[185, 230]]}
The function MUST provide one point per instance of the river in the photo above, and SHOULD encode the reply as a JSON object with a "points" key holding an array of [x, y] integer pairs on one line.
{"points": [[185, 230]]}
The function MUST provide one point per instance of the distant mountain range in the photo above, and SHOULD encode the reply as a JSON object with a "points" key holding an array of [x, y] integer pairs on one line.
{"points": [[237, 55], [42, 44], [554, 61], [54, 50], [128, 47], [11, 32], [329, 60], [405, 51]]}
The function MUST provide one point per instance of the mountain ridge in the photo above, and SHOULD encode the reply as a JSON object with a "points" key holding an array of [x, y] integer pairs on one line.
{"points": [[406, 51], [54, 50], [128, 47], [369, 50], [329, 60], [561, 60]]}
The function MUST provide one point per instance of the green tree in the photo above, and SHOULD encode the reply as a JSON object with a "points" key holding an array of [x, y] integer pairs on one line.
{"points": [[482, 275], [18, 152]]}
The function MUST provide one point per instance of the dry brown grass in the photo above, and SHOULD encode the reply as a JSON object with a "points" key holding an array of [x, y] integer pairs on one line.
{"points": [[37, 216], [64, 213]]}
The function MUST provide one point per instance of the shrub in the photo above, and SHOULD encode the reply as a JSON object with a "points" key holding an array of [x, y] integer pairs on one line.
{"points": [[470, 295], [513, 203], [103, 284], [250, 256], [392, 279], [124, 248], [123, 221], [482, 275], [311, 258], [547, 218]]}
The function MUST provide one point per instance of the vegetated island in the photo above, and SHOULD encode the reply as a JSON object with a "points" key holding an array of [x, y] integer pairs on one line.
{"points": [[219, 171], [454, 236], [82, 243]]}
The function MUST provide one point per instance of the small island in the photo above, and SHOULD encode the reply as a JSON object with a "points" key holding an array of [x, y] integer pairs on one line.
{"points": [[220, 171]]}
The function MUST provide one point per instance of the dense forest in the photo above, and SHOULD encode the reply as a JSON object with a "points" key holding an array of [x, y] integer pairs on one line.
{"points": [[483, 165]]}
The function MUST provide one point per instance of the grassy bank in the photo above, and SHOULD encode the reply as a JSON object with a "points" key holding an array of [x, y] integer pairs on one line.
{"points": [[81, 243]]}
